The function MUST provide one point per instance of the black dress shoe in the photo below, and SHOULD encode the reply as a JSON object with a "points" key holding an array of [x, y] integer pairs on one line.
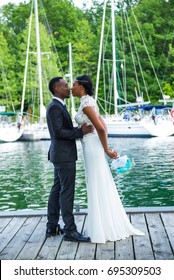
{"points": [[59, 230], [52, 231], [75, 236]]}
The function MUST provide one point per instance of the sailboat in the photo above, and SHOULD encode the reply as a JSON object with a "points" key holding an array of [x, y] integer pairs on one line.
{"points": [[38, 130], [10, 128], [127, 124], [32, 131], [10, 131]]}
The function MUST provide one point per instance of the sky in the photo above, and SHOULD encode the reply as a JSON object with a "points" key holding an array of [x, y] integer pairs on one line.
{"points": [[78, 3]]}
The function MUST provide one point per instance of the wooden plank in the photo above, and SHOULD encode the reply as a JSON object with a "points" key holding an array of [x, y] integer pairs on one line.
{"points": [[14, 247], [23, 213], [50, 247], [105, 251], [142, 245], [157, 209], [124, 249], [32, 247], [160, 242], [17, 241], [68, 249], [4, 222], [9, 232], [168, 220], [86, 251]]}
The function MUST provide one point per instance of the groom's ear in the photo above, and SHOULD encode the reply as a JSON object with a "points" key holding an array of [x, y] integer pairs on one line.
{"points": [[56, 87]]}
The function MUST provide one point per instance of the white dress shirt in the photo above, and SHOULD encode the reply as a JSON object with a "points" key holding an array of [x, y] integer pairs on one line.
{"points": [[59, 99]]}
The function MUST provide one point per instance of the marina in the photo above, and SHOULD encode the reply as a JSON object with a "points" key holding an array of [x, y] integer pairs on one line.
{"points": [[27, 175], [147, 190], [22, 236]]}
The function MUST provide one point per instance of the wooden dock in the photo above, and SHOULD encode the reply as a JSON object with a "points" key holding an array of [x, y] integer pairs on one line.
{"points": [[22, 237]]}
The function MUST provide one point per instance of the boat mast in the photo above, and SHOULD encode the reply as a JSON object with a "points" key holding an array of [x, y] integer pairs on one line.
{"points": [[114, 57], [100, 51], [39, 60], [26, 65]]}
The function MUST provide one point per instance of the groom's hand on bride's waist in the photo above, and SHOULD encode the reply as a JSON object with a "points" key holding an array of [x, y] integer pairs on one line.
{"points": [[87, 128]]}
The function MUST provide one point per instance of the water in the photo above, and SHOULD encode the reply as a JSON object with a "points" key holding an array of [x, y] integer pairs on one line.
{"points": [[26, 175]]}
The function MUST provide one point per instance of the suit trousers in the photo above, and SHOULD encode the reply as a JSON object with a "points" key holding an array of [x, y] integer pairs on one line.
{"points": [[62, 196]]}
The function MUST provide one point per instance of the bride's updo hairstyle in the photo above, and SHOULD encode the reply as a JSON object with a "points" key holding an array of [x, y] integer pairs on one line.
{"points": [[86, 82]]}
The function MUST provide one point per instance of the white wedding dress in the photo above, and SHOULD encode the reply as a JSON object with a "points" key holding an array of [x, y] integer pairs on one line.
{"points": [[107, 219]]}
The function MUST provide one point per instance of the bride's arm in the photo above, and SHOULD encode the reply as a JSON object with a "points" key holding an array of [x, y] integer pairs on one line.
{"points": [[103, 123], [101, 130]]}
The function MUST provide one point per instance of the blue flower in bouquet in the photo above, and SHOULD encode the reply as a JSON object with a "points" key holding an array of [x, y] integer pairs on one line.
{"points": [[122, 164]]}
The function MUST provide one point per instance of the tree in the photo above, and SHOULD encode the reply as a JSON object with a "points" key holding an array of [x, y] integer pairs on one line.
{"points": [[7, 77], [82, 28]]}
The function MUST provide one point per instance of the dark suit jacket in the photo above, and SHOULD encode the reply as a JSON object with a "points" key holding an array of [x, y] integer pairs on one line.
{"points": [[63, 134]]}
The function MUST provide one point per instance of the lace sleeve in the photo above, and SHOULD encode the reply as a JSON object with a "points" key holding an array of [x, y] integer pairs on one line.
{"points": [[86, 101], [89, 102]]}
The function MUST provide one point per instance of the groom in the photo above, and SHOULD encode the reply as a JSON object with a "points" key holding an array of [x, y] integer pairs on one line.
{"points": [[63, 155]]}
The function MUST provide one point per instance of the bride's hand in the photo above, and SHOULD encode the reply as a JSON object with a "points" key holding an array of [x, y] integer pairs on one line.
{"points": [[112, 154]]}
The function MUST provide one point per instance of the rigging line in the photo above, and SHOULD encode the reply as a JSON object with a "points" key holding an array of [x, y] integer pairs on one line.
{"points": [[101, 105], [139, 63], [132, 55], [26, 113], [147, 52], [110, 85], [104, 51], [112, 103], [120, 83], [107, 35], [108, 79], [117, 60], [110, 93], [168, 56], [45, 80], [51, 68], [100, 50], [51, 33], [124, 59], [104, 84]]}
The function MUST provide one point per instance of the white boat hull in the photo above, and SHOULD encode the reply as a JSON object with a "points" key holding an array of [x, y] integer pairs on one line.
{"points": [[35, 132], [160, 129], [125, 128], [44, 132], [139, 128], [10, 134], [31, 133], [30, 136]]}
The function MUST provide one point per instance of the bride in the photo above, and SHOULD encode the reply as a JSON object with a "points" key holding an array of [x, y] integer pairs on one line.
{"points": [[107, 219]]}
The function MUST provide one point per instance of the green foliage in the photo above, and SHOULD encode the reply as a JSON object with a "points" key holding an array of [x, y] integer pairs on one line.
{"points": [[143, 28], [7, 76], [169, 90]]}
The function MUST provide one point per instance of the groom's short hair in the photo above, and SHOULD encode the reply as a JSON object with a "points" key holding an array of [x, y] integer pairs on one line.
{"points": [[52, 82]]}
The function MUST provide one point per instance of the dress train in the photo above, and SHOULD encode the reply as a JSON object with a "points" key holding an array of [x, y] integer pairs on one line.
{"points": [[107, 219]]}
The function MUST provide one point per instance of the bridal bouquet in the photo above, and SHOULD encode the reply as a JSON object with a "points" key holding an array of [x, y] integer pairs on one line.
{"points": [[121, 164]]}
